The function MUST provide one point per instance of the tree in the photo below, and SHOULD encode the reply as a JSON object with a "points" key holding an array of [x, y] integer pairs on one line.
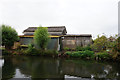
{"points": [[9, 36], [41, 37], [116, 49], [100, 43]]}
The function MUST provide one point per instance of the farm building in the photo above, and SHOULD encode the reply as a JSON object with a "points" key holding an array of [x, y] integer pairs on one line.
{"points": [[72, 41], [54, 31], [59, 38]]}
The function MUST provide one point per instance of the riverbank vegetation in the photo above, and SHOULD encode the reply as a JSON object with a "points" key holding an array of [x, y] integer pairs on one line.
{"points": [[102, 48]]}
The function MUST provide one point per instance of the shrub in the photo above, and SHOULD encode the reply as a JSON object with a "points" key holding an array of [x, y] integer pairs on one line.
{"points": [[79, 48], [87, 53], [103, 55], [5, 52], [31, 50], [66, 49], [81, 54], [50, 53]]}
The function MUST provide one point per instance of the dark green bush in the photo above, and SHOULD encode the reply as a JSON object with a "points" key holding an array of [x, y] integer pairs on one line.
{"points": [[31, 50], [50, 52], [66, 49], [5, 52], [79, 48], [87, 53], [81, 54], [103, 55]]}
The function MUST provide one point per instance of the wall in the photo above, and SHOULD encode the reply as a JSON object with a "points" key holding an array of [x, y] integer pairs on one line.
{"points": [[53, 43], [72, 42]]}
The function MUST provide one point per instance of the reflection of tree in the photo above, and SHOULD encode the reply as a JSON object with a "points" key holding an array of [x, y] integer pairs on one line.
{"points": [[45, 68], [8, 70], [39, 67], [82, 68]]}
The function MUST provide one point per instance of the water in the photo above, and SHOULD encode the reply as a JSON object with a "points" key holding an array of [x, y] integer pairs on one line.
{"points": [[57, 68]]}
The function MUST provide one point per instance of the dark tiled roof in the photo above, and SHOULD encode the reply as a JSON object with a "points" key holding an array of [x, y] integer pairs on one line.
{"points": [[78, 35], [53, 30], [50, 29]]}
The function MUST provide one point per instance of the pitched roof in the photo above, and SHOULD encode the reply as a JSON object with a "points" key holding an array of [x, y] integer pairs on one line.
{"points": [[77, 35], [50, 29], [53, 30]]}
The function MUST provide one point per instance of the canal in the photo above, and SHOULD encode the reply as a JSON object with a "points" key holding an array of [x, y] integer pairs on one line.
{"points": [[34, 67]]}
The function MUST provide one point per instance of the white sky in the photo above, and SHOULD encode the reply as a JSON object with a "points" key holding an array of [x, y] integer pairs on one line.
{"points": [[79, 16]]}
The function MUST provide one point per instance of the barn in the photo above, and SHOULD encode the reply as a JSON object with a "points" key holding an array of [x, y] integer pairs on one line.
{"points": [[59, 38], [55, 34]]}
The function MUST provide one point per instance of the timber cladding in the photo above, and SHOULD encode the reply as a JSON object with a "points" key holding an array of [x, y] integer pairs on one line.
{"points": [[72, 41]]}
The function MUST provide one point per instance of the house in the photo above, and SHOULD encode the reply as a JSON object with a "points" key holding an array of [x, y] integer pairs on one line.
{"points": [[59, 38]]}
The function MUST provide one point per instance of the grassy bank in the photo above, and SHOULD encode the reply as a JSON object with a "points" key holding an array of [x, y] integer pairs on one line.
{"points": [[79, 52]]}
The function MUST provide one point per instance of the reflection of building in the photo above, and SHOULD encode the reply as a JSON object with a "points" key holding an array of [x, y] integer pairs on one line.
{"points": [[59, 38]]}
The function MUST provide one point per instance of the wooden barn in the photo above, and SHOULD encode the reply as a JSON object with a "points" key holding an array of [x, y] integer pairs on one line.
{"points": [[59, 38], [54, 31], [72, 41]]}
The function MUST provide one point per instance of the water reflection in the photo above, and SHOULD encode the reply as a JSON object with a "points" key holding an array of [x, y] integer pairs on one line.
{"points": [[39, 67], [1, 64]]}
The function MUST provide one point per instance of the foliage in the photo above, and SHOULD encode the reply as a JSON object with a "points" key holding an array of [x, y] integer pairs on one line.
{"points": [[9, 36], [103, 55], [31, 50], [81, 54], [41, 37], [5, 52], [117, 46], [116, 49], [111, 42], [79, 48], [100, 43], [50, 53], [66, 49]]}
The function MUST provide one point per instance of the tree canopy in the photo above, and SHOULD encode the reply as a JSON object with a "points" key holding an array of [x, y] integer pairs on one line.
{"points": [[41, 37], [100, 43], [9, 36]]}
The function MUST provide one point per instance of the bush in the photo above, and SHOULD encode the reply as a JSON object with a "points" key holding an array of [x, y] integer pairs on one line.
{"points": [[31, 50], [79, 48], [81, 54], [5, 52], [88, 53], [103, 55], [66, 49], [50, 53]]}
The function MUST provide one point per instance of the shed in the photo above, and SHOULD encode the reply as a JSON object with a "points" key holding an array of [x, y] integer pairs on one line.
{"points": [[73, 40]]}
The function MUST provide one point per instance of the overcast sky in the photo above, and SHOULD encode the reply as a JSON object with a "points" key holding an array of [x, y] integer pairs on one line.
{"points": [[79, 16]]}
